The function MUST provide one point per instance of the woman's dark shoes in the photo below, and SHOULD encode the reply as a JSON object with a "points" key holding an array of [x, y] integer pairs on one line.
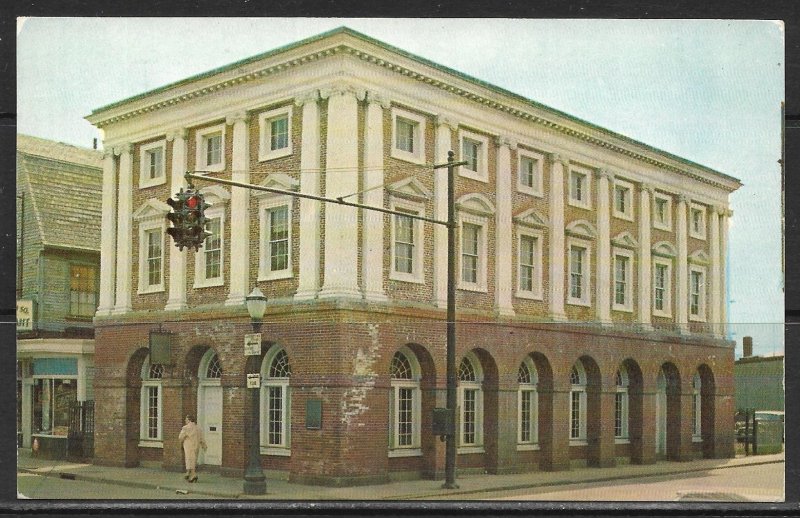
{"points": [[193, 479], [186, 477]]}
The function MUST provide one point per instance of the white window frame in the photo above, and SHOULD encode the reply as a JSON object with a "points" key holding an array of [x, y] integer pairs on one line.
{"points": [[627, 214], [482, 174], [417, 274], [144, 165], [536, 292], [536, 189], [627, 306], [483, 222], [667, 224], [586, 191], [624, 437], [283, 449], [701, 209], [415, 448], [697, 407], [146, 226], [201, 136], [200, 280], [265, 151], [580, 389], [147, 384], [477, 385], [532, 389], [419, 130], [265, 273], [701, 314], [667, 311], [586, 273]]}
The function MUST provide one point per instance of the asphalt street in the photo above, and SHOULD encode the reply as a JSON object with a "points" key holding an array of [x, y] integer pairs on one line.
{"points": [[30, 485]]}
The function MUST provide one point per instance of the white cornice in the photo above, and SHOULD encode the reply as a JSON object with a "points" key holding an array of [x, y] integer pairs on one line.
{"points": [[427, 74]]}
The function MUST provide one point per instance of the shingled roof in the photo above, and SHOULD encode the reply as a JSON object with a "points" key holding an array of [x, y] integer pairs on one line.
{"points": [[64, 185]]}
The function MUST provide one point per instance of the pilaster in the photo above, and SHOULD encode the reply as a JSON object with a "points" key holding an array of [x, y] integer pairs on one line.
{"points": [[177, 259], [715, 295], [445, 127], [124, 230], [645, 290], [603, 300], [503, 271], [724, 222], [240, 212], [682, 280], [557, 239], [108, 236], [310, 150]]}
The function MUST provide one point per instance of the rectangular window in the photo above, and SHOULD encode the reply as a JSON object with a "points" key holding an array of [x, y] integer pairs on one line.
{"points": [[527, 262], [213, 148], [275, 416], [661, 210], [404, 133], [695, 293], [405, 416], [575, 415], [577, 255], [152, 412], [660, 287], [278, 220], [621, 199], [578, 181], [82, 291], [697, 221], [470, 153], [469, 252], [528, 169], [155, 162], [213, 249], [153, 240], [52, 399], [470, 415], [279, 133], [404, 244], [618, 414], [620, 280], [526, 406]]}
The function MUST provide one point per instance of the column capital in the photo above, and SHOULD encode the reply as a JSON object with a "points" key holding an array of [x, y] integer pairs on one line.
{"points": [[181, 133], [235, 117], [341, 88], [126, 147], [648, 188], [311, 96], [728, 213], [379, 98], [447, 120], [682, 198], [560, 159], [503, 140], [604, 173], [108, 153]]}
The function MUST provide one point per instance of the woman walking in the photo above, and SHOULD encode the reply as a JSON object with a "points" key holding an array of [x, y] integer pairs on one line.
{"points": [[192, 439]]}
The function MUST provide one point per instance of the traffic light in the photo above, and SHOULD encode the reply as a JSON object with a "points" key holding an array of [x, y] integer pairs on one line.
{"points": [[188, 219]]}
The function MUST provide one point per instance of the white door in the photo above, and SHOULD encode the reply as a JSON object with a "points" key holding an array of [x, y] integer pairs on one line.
{"points": [[210, 422], [661, 416]]}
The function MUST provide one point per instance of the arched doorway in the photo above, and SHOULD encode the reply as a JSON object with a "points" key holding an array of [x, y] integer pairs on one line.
{"points": [[707, 409], [668, 412], [209, 407]]}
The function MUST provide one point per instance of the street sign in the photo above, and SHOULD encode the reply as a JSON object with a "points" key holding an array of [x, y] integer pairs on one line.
{"points": [[253, 380], [24, 315], [252, 344]]}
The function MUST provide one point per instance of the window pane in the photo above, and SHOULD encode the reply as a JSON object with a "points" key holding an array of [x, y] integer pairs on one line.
{"points": [[470, 416], [153, 257], [155, 160], [82, 290], [278, 238], [214, 149], [275, 416], [405, 135], [577, 186], [213, 248], [470, 152], [575, 415], [527, 262], [152, 412], [527, 172], [618, 414], [469, 252], [525, 416], [405, 416], [279, 133], [576, 272], [620, 279], [404, 244]]}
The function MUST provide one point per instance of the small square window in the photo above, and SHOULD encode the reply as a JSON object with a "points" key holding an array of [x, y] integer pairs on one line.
{"points": [[151, 164], [408, 141], [405, 135], [697, 221], [471, 154], [276, 134], [210, 143], [474, 149], [662, 212], [623, 200], [529, 173], [580, 188]]}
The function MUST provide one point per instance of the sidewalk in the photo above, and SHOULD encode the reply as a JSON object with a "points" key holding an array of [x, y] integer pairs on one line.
{"points": [[471, 486]]}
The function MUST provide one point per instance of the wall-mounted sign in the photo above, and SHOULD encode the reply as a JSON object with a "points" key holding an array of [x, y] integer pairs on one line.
{"points": [[160, 345], [24, 315], [254, 380], [252, 344]]}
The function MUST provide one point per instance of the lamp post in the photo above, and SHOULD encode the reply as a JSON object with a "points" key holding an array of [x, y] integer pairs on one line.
{"points": [[255, 483]]}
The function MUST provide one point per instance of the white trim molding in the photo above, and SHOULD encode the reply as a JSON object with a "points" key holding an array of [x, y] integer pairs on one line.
{"points": [[265, 151], [530, 163], [417, 124], [201, 155], [481, 142], [147, 150]]}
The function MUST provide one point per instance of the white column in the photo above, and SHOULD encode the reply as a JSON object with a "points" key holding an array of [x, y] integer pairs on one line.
{"points": [[444, 143], [124, 235], [724, 221], [557, 251], [503, 232], [682, 274], [372, 233], [341, 178], [714, 277], [603, 301], [240, 211], [645, 273], [309, 259], [177, 258], [108, 235]]}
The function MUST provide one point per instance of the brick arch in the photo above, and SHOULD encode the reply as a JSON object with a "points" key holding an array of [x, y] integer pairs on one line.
{"points": [[133, 387], [636, 420], [674, 419], [594, 414], [426, 362], [707, 409]]}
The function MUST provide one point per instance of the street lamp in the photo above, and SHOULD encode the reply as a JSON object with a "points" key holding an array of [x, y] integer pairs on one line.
{"points": [[255, 483]]}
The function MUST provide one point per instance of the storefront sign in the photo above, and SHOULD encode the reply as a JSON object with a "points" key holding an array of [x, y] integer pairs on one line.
{"points": [[253, 380], [252, 344], [24, 315]]}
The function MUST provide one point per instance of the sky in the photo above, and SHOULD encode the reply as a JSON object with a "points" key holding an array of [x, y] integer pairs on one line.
{"points": [[706, 90]]}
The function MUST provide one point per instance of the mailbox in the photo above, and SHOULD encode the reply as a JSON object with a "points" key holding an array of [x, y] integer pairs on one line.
{"points": [[442, 424]]}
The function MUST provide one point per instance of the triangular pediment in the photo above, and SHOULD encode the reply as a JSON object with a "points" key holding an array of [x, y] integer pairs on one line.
{"points": [[624, 240], [215, 194], [280, 181], [581, 228], [475, 203], [664, 249], [531, 218], [152, 208], [410, 188], [699, 257]]}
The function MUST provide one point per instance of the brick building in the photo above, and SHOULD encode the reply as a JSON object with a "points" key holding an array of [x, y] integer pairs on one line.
{"points": [[591, 273], [58, 269]]}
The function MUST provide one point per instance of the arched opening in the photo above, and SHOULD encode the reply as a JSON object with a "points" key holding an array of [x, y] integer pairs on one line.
{"points": [[635, 421], [707, 405], [477, 430], [209, 407], [275, 401], [668, 412], [405, 404], [544, 392], [585, 409]]}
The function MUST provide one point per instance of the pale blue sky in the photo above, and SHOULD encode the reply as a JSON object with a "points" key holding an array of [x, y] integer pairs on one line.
{"points": [[709, 91]]}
